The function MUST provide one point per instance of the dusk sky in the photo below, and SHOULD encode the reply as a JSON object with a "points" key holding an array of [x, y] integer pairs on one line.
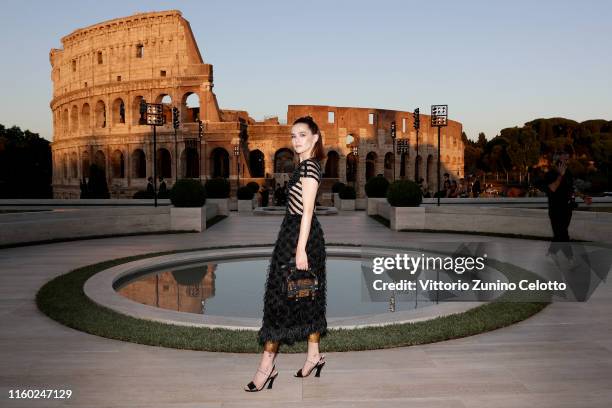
{"points": [[496, 64]]}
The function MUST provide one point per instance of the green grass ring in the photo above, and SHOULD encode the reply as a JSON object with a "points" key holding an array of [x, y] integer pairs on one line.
{"points": [[63, 300]]}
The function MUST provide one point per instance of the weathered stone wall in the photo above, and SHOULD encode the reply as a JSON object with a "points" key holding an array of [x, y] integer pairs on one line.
{"points": [[103, 71]]}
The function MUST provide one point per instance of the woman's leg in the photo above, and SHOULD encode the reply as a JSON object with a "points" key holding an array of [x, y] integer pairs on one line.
{"points": [[266, 363], [313, 355]]}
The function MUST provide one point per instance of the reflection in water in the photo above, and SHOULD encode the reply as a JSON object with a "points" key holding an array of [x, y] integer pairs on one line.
{"points": [[183, 290], [237, 288]]}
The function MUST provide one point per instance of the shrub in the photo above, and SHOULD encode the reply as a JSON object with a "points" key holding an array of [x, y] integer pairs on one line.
{"points": [[348, 193], [598, 183], [376, 187], [338, 185], [245, 193], [217, 187], [254, 186], [188, 193], [404, 193]]}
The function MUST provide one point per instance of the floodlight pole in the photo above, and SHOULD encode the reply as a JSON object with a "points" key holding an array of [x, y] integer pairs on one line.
{"points": [[439, 118], [439, 166], [155, 164]]}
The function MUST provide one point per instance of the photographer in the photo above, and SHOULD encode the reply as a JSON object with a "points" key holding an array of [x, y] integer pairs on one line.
{"points": [[559, 188]]}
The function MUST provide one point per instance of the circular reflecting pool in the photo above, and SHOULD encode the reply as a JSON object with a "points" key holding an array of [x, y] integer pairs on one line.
{"points": [[236, 288]]}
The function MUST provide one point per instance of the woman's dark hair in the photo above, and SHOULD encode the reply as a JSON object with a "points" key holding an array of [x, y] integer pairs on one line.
{"points": [[317, 152]]}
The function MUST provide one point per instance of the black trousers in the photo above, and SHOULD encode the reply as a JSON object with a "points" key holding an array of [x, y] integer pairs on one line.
{"points": [[560, 218]]}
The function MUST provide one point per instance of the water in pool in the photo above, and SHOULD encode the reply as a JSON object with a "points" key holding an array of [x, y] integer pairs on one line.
{"points": [[236, 288]]}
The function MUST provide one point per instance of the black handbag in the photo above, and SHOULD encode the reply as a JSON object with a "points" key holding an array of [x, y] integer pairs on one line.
{"points": [[301, 284]]}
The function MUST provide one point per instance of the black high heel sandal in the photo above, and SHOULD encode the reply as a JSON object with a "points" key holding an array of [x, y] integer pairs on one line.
{"points": [[318, 365], [271, 378]]}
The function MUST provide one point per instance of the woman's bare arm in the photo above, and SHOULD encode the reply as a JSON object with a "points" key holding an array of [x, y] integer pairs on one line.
{"points": [[309, 194]]}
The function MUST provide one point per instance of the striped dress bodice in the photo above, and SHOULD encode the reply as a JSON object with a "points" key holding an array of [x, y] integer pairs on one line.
{"points": [[307, 168]]}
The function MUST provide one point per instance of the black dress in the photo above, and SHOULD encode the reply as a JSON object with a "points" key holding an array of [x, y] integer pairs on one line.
{"points": [[283, 320]]}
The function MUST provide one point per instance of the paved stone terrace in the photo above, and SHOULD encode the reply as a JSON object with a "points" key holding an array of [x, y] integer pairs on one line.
{"points": [[561, 357]]}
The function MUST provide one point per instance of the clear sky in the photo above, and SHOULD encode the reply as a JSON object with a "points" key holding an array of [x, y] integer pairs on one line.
{"points": [[496, 64]]}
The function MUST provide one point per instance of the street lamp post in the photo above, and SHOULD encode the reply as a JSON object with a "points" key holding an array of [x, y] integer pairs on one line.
{"points": [[200, 134], [402, 147], [356, 154], [439, 119], [237, 155], [417, 125], [393, 138], [155, 117], [175, 124]]}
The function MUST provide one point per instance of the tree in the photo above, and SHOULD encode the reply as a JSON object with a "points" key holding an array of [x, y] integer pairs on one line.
{"points": [[25, 164], [482, 140], [495, 156], [524, 147]]}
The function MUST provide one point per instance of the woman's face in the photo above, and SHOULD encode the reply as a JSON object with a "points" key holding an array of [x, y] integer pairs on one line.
{"points": [[302, 138]]}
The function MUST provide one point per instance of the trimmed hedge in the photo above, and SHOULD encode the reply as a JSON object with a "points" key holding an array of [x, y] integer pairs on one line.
{"points": [[404, 193], [338, 185], [376, 187], [217, 187], [348, 193], [245, 193], [188, 193], [254, 186]]}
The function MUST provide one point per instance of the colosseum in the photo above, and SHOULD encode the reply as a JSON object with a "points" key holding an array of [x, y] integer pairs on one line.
{"points": [[103, 72]]}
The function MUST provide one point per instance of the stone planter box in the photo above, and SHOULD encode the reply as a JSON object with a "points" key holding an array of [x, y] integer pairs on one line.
{"points": [[347, 205], [245, 206], [406, 218], [222, 205], [188, 218], [336, 200], [211, 211], [372, 205]]}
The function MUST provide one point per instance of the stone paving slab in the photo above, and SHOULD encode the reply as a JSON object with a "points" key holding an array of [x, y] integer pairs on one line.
{"points": [[561, 357]]}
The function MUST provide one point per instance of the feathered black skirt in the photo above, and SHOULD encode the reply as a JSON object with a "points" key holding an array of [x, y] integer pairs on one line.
{"points": [[288, 321]]}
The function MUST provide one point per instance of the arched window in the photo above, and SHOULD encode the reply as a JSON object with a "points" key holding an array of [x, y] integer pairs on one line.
{"points": [[100, 114], [117, 164], [85, 117], [283, 161], [219, 162], [190, 163], [118, 111], [370, 165], [257, 163], [164, 163], [331, 164], [139, 164]]}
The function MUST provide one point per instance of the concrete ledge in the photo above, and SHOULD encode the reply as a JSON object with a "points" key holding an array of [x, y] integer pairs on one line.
{"points": [[245, 206], [70, 223], [347, 205], [588, 226], [537, 202], [372, 204], [221, 203], [64, 223]]}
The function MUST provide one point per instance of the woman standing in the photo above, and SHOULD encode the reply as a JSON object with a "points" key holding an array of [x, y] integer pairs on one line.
{"points": [[300, 237]]}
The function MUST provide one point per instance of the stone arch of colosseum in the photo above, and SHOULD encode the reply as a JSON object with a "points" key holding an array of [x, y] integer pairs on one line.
{"points": [[102, 72]]}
